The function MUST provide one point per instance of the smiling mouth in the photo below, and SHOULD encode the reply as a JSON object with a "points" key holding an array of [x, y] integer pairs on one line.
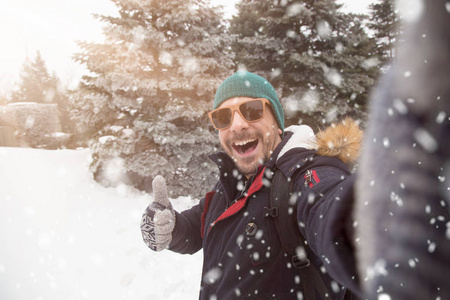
{"points": [[245, 147]]}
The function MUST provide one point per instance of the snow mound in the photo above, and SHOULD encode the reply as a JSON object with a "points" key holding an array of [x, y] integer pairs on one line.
{"points": [[66, 237]]}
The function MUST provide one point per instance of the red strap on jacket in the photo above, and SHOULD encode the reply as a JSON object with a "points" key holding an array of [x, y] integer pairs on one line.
{"points": [[239, 204]]}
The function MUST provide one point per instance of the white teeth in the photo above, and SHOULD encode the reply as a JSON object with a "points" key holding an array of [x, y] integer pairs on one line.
{"points": [[242, 143]]}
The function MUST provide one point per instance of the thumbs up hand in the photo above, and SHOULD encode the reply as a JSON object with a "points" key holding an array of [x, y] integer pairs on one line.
{"points": [[158, 220]]}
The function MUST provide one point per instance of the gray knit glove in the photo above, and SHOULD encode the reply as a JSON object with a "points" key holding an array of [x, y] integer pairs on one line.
{"points": [[158, 221]]}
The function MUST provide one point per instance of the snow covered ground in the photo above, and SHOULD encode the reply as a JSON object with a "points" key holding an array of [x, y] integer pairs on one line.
{"points": [[63, 236]]}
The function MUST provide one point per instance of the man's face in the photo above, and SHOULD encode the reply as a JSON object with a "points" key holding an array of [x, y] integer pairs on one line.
{"points": [[249, 144]]}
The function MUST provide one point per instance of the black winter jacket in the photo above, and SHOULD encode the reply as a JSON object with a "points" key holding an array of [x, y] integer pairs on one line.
{"points": [[242, 254]]}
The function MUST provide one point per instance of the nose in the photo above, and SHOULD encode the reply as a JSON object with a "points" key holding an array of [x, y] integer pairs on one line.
{"points": [[238, 123]]}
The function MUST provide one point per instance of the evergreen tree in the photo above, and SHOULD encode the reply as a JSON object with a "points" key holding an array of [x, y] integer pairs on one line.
{"points": [[36, 84], [61, 98], [313, 54], [152, 84], [385, 24]]}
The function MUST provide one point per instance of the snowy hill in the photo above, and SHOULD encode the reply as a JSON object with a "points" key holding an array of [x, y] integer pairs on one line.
{"points": [[63, 236]]}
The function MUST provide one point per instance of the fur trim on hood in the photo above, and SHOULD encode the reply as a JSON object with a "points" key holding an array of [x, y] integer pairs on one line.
{"points": [[342, 140]]}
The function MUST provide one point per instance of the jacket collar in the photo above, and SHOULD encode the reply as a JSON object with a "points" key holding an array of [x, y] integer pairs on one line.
{"points": [[302, 136]]}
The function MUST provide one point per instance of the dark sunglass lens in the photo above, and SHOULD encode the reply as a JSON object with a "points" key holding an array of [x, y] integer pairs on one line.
{"points": [[252, 110], [222, 118]]}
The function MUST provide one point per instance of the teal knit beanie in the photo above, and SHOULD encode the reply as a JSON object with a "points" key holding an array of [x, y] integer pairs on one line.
{"points": [[246, 84]]}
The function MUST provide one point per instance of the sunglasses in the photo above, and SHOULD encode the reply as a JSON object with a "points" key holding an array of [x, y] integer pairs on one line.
{"points": [[251, 111]]}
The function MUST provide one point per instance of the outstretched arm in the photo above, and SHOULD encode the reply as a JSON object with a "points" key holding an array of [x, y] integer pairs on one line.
{"points": [[324, 212]]}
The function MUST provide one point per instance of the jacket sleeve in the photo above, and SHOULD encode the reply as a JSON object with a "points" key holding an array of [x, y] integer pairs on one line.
{"points": [[324, 212], [186, 236]]}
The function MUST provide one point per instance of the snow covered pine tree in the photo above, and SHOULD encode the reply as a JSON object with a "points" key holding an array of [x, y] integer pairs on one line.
{"points": [[403, 192]]}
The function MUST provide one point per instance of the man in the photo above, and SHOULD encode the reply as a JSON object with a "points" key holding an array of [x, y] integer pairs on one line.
{"points": [[243, 256]]}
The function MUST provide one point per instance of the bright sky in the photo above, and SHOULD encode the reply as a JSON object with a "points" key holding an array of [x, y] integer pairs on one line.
{"points": [[50, 26], [53, 27]]}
